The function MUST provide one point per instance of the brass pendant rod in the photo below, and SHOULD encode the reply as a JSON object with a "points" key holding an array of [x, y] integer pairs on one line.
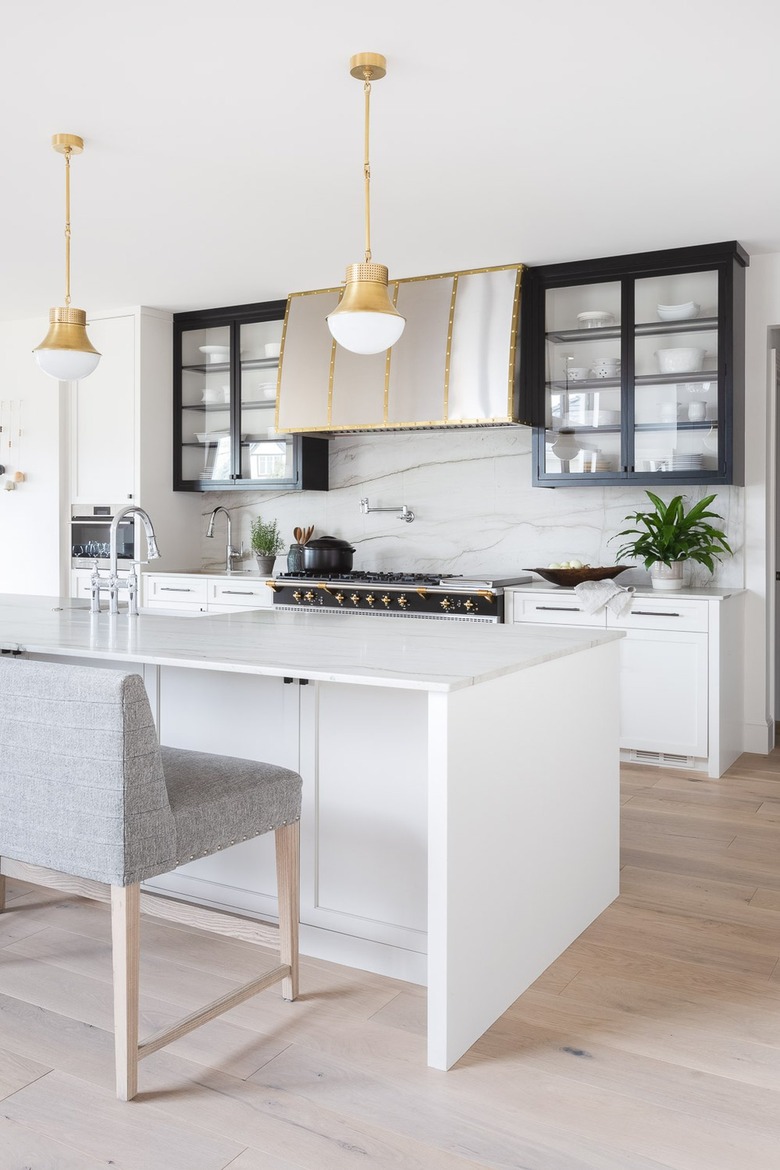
{"points": [[366, 163], [67, 153]]}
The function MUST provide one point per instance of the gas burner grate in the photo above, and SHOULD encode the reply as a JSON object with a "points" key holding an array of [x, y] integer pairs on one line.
{"points": [[359, 576]]}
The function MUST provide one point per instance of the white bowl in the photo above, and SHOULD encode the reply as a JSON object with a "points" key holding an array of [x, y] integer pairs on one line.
{"points": [[213, 394], [216, 353], [595, 320], [680, 360], [577, 373], [678, 312]]}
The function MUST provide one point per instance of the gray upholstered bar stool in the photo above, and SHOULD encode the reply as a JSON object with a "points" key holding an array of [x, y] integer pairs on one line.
{"points": [[90, 803]]}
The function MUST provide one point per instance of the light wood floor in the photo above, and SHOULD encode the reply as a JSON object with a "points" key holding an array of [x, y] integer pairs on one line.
{"points": [[654, 1041]]}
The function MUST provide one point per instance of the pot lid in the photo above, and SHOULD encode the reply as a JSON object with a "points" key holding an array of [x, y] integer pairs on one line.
{"points": [[330, 542]]}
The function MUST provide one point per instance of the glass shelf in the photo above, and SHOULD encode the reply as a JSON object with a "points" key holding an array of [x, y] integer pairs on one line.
{"points": [[614, 428], [639, 380], [643, 329], [224, 367]]}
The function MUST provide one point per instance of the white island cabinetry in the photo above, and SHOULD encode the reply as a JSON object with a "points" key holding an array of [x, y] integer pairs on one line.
{"points": [[450, 834], [680, 695]]}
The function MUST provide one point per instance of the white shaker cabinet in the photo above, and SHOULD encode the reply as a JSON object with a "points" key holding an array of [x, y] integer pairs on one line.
{"points": [[121, 430], [680, 691], [206, 592]]}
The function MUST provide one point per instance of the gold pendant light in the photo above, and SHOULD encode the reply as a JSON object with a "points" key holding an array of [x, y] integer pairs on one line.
{"points": [[66, 353], [365, 319]]}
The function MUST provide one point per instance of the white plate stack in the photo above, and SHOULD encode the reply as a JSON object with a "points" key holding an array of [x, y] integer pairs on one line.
{"points": [[690, 462]]}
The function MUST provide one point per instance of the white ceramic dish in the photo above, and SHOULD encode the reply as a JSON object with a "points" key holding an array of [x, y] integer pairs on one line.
{"points": [[578, 373], [595, 320], [215, 394], [680, 360], [678, 312], [216, 353]]}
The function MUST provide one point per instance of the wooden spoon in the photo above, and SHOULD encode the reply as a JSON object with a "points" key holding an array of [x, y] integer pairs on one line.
{"points": [[307, 534], [298, 534]]}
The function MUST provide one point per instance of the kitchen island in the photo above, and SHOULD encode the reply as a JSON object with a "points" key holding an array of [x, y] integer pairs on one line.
{"points": [[460, 821]]}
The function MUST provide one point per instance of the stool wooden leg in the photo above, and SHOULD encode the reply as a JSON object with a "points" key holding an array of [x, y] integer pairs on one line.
{"points": [[288, 863], [125, 937]]}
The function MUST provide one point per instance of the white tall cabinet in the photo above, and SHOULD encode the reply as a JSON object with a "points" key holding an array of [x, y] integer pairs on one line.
{"points": [[121, 430]]}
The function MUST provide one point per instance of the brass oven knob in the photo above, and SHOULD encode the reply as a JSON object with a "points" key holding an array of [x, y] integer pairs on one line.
{"points": [[308, 595], [446, 604], [469, 604], [339, 597], [402, 602], [354, 598], [386, 600], [370, 598], [297, 595]]}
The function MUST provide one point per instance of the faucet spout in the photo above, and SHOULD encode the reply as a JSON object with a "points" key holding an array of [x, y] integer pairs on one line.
{"points": [[151, 543], [230, 552]]}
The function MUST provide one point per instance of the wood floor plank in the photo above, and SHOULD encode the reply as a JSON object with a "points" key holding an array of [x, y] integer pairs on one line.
{"points": [[17, 1071], [22, 1148], [63, 1108]]}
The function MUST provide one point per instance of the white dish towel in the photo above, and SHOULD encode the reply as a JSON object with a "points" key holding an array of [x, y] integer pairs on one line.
{"points": [[598, 595]]}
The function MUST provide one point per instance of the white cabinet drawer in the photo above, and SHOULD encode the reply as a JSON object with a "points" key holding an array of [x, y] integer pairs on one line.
{"points": [[169, 591], [651, 613], [552, 610], [242, 594]]}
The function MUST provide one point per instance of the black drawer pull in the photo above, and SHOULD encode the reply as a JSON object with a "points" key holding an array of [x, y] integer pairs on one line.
{"points": [[653, 613], [561, 608]]}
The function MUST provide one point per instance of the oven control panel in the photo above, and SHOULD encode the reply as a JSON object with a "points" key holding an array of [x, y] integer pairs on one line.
{"points": [[486, 605]]}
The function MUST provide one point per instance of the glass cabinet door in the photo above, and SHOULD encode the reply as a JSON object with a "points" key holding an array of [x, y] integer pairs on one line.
{"points": [[265, 455], [583, 400], [205, 413], [677, 386]]}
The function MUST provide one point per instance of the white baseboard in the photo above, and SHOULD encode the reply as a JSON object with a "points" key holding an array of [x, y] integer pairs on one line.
{"points": [[759, 737]]}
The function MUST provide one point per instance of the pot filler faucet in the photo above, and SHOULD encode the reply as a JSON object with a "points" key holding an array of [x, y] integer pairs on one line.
{"points": [[114, 583], [230, 552]]}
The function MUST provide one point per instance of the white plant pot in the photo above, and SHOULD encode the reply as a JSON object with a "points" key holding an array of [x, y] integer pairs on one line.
{"points": [[667, 576]]}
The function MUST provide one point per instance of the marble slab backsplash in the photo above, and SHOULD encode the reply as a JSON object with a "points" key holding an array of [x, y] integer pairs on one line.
{"points": [[475, 509]]}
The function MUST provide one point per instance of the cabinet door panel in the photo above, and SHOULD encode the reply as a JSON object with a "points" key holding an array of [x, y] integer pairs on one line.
{"points": [[556, 611], [664, 692], [103, 418], [369, 812]]}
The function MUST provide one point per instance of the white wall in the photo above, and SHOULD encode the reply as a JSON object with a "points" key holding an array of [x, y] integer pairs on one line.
{"points": [[31, 528]]}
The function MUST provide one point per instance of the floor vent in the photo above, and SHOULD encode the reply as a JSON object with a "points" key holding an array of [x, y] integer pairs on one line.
{"points": [[661, 759]]}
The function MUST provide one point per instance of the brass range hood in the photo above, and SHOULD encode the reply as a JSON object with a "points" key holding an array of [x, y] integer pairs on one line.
{"points": [[456, 364]]}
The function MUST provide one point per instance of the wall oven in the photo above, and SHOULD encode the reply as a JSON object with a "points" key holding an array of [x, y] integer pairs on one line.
{"points": [[90, 529]]}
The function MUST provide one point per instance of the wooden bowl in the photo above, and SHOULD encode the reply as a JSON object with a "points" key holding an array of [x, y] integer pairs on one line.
{"points": [[577, 576]]}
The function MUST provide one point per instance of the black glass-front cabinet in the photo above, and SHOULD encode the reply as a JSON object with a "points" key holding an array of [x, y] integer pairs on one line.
{"points": [[634, 368], [225, 370]]}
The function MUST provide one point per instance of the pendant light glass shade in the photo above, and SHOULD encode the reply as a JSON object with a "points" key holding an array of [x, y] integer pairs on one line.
{"points": [[66, 353], [365, 319]]}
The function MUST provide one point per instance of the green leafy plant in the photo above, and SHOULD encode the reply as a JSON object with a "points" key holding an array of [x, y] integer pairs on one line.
{"points": [[266, 538], [668, 533]]}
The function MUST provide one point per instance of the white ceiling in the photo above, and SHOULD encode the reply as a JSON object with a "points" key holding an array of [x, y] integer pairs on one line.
{"points": [[223, 159]]}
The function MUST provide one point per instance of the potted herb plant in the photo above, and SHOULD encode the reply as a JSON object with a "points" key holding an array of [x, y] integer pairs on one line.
{"points": [[267, 543], [667, 536]]}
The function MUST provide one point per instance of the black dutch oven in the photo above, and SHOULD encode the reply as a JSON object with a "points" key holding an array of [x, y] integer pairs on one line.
{"points": [[328, 554]]}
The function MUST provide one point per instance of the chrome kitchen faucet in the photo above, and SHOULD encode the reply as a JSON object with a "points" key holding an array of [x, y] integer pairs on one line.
{"points": [[114, 583], [230, 552]]}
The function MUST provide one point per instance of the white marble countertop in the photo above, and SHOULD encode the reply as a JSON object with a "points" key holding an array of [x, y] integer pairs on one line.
{"points": [[700, 594], [406, 653]]}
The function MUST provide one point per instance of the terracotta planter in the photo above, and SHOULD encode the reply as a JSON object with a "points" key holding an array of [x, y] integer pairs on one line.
{"points": [[667, 576]]}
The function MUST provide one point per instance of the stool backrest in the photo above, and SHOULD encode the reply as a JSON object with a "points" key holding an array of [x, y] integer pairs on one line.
{"points": [[82, 788]]}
